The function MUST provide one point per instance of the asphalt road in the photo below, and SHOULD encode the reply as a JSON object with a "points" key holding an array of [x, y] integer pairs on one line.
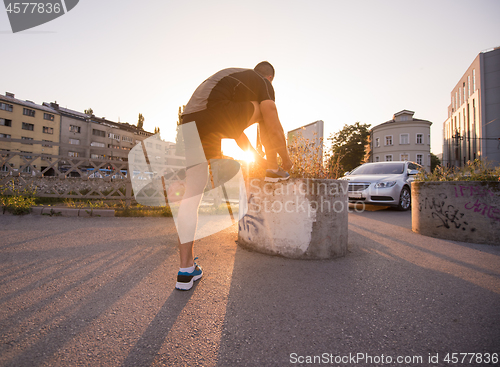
{"points": [[100, 292]]}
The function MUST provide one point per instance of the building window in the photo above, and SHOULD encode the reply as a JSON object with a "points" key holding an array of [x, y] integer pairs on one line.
{"points": [[420, 159], [428, 159], [74, 129], [6, 107], [127, 138], [420, 138], [47, 145], [5, 122], [48, 116], [7, 136], [98, 133], [112, 146], [114, 136], [428, 139], [48, 130], [474, 79], [377, 158], [404, 139], [468, 84], [4, 168], [27, 169], [465, 99], [28, 112], [27, 155], [388, 158], [404, 157], [73, 154], [26, 138], [97, 156], [149, 144], [97, 144], [388, 140], [74, 141], [27, 126]]}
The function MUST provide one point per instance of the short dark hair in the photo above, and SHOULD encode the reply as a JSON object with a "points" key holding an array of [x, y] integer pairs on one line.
{"points": [[264, 68]]}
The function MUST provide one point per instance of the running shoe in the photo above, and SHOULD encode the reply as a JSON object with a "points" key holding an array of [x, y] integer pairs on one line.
{"points": [[272, 176], [185, 280]]}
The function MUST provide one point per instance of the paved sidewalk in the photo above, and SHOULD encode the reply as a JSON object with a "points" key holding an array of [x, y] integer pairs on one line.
{"points": [[78, 291]]}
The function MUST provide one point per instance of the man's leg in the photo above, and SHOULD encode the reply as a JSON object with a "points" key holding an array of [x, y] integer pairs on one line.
{"points": [[187, 216]]}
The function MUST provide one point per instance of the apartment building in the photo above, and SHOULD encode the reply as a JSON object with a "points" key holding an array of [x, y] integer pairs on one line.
{"points": [[95, 138], [472, 129], [27, 128], [404, 138]]}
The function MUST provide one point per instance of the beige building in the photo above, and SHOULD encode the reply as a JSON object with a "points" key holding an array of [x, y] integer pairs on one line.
{"points": [[404, 138], [27, 128], [472, 129], [92, 137]]}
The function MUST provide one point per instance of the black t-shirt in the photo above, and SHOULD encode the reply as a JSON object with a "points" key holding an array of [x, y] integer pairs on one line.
{"points": [[236, 85]]}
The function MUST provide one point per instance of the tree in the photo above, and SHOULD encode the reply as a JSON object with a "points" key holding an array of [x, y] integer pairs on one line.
{"points": [[348, 146], [140, 122], [435, 161]]}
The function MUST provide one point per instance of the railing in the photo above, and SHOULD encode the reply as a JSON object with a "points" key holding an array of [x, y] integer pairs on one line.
{"points": [[82, 178], [65, 177]]}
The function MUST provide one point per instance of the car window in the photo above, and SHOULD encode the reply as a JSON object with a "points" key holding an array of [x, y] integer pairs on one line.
{"points": [[412, 166], [379, 169]]}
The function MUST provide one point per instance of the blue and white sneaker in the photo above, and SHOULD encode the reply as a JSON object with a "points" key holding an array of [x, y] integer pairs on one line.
{"points": [[275, 176], [185, 280]]}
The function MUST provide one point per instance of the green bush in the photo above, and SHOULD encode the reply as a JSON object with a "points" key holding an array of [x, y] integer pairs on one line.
{"points": [[17, 202]]}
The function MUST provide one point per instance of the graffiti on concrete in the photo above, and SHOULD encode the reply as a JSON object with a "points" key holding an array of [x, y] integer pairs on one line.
{"points": [[478, 206], [447, 215], [250, 221], [461, 191], [484, 209]]}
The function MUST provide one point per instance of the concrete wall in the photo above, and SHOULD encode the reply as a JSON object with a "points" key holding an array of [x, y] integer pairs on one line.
{"points": [[298, 218], [467, 211]]}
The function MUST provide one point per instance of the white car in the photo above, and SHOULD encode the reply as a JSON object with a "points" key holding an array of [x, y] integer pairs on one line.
{"points": [[382, 183]]}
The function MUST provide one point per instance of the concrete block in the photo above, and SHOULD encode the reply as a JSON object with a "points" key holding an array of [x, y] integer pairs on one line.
{"points": [[297, 218], [103, 212], [84, 212], [36, 210], [467, 211], [65, 212]]}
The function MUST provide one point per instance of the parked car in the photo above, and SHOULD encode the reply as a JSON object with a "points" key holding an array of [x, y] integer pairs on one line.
{"points": [[382, 183]]}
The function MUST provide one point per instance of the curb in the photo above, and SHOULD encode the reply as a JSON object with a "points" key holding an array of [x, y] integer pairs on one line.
{"points": [[72, 212]]}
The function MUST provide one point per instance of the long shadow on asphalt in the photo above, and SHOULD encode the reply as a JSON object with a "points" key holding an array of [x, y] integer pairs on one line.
{"points": [[377, 300], [148, 346], [134, 266]]}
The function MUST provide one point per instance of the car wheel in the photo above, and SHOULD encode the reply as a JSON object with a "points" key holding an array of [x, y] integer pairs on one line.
{"points": [[404, 199]]}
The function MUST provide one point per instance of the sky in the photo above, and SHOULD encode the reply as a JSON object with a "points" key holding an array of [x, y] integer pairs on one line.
{"points": [[336, 61]]}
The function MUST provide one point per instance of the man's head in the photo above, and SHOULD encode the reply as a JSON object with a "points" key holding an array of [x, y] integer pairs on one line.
{"points": [[265, 69]]}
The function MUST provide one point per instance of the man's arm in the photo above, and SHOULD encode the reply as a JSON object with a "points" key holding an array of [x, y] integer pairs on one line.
{"points": [[269, 114]]}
